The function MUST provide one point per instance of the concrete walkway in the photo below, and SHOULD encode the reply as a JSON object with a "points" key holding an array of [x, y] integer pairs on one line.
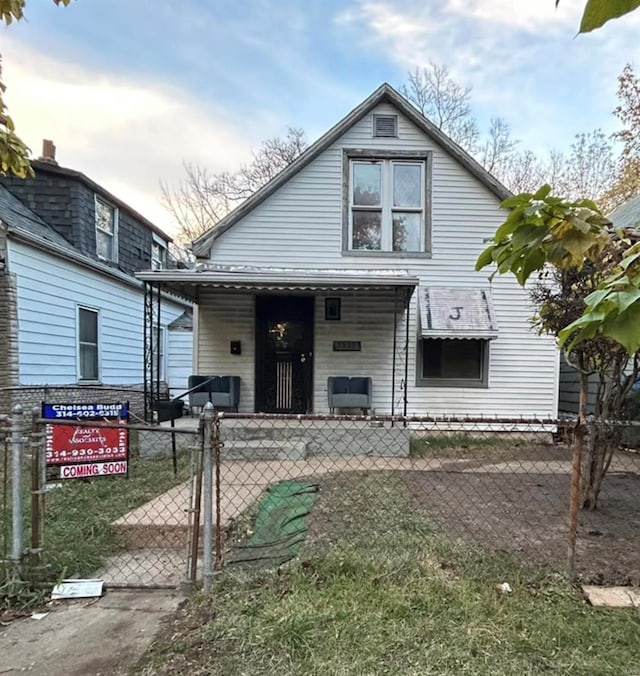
{"points": [[244, 482], [86, 637]]}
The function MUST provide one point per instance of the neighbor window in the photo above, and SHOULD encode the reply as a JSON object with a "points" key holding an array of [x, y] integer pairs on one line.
{"points": [[88, 344], [106, 230], [158, 256], [157, 338], [453, 362], [386, 208]]}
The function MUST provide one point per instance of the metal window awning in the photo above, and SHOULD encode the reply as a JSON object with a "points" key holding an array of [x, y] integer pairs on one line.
{"points": [[456, 313], [186, 282]]}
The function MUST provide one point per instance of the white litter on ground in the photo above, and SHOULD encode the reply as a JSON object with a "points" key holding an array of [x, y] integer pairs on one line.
{"points": [[77, 589]]}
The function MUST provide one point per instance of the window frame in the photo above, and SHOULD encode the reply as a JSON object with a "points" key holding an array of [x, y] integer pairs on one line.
{"points": [[79, 343], [352, 156], [113, 235], [481, 383], [163, 258], [162, 356]]}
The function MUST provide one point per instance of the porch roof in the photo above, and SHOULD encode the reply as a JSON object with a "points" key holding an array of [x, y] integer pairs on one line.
{"points": [[187, 282]]}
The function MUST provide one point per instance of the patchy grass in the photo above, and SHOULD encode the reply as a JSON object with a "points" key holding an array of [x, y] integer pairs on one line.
{"points": [[457, 444], [78, 517], [376, 591]]}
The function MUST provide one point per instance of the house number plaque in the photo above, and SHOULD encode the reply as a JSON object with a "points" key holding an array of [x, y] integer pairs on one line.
{"points": [[347, 346]]}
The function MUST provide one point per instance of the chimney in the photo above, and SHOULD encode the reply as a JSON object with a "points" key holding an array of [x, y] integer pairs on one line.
{"points": [[48, 152]]}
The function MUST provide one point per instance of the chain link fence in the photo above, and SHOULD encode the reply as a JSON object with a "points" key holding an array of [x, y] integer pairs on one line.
{"points": [[229, 494], [481, 485]]}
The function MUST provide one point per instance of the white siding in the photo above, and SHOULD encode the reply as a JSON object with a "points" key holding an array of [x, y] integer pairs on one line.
{"points": [[223, 318], [50, 289], [301, 226], [179, 360]]}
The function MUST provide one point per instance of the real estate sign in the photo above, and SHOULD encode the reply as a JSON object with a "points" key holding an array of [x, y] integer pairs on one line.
{"points": [[81, 450]]}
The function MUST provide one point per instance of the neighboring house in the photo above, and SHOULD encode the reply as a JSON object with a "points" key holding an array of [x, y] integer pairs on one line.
{"points": [[358, 260], [68, 253], [626, 217]]}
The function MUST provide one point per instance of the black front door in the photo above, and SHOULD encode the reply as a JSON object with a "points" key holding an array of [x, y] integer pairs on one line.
{"points": [[284, 354]]}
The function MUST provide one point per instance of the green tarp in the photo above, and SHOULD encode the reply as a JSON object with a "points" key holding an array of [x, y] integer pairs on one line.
{"points": [[280, 527]]}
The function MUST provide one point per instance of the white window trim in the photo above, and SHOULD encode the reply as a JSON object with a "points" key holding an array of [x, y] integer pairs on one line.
{"points": [[163, 345], [82, 380], [116, 222], [163, 247], [386, 206], [368, 155]]}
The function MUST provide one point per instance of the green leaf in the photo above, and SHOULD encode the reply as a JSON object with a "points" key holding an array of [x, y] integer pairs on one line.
{"points": [[626, 298], [542, 192], [485, 258], [598, 12], [517, 201], [594, 298], [534, 261], [624, 328]]}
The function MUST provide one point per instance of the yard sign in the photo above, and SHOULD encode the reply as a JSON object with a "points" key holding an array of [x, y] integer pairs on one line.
{"points": [[84, 452]]}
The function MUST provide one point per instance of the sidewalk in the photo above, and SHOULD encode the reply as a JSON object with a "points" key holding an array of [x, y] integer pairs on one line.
{"points": [[87, 637]]}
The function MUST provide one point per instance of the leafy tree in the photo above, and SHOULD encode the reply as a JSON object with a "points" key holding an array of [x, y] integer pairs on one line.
{"points": [[592, 304], [202, 198], [598, 12], [14, 154]]}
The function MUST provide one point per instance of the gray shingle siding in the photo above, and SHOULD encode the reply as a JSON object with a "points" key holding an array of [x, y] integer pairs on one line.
{"points": [[68, 206]]}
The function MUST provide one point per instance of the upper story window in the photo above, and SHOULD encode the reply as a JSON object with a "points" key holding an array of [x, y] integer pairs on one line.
{"points": [[387, 204], [106, 230], [158, 256]]}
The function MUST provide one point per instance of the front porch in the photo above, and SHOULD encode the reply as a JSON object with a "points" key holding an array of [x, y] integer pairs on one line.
{"points": [[266, 438], [284, 333]]}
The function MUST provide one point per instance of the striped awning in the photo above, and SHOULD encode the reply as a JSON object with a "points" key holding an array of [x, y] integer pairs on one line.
{"points": [[186, 283], [456, 313]]}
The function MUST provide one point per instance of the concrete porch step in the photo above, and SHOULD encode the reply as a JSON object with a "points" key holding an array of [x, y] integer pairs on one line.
{"points": [[264, 449]]}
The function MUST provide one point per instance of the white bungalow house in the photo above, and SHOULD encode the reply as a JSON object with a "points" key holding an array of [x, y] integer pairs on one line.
{"points": [[358, 260]]}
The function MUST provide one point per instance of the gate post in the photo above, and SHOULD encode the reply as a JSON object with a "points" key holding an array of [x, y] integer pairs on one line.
{"points": [[207, 497], [17, 454]]}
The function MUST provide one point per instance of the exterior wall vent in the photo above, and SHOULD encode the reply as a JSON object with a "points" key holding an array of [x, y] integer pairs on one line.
{"points": [[385, 126]]}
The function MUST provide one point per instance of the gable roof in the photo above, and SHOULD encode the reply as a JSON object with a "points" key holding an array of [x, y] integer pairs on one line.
{"points": [[41, 166], [201, 247], [627, 215]]}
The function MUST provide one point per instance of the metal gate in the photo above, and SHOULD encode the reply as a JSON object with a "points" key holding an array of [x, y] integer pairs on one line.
{"points": [[136, 528]]}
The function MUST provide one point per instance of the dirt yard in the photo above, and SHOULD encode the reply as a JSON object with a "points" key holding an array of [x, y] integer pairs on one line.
{"points": [[526, 513]]}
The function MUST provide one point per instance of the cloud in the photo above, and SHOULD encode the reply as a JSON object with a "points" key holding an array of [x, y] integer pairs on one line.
{"points": [[123, 132], [520, 57]]}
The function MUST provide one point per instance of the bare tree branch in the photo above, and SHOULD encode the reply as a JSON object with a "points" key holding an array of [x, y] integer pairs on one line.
{"points": [[444, 102], [202, 199]]}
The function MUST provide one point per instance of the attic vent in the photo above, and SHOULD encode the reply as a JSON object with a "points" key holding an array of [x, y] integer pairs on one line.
{"points": [[385, 125]]}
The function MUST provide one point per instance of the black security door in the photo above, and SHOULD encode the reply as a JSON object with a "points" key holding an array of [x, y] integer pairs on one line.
{"points": [[284, 354]]}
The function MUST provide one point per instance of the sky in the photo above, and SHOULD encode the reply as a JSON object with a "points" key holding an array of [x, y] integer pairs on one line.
{"points": [[130, 90]]}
